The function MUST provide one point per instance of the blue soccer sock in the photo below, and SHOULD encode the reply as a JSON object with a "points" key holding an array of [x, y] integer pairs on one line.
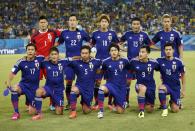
{"points": [[38, 104], [14, 99], [141, 102], [73, 101], [162, 98], [127, 94], [101, 100]]}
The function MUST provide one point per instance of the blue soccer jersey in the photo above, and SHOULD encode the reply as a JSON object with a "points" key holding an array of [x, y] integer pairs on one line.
{"points": [[144, 72], [30, 71], [73, 41], [170, 71], [117, 70], [55, 73], [134, 41], [102, 41], [165, 37], [85, 72]]}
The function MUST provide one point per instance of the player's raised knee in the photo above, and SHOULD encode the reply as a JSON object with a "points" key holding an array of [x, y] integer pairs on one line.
{"points": [[142, 89], [162, 87], [74, 89], [104, 89], [16, 88], [39, 92]]}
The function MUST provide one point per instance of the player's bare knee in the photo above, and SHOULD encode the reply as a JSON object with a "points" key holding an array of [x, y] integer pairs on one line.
{"points": [[104, 89], [59, 110], [149, 108], [120, 110], [75, 89], [162, 87], [86, 111], [16, 88], [174, 108], [39, 92], [142, 90]]}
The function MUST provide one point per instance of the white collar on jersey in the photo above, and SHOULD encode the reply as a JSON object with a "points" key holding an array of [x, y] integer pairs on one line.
{"points": [[43, 32]]}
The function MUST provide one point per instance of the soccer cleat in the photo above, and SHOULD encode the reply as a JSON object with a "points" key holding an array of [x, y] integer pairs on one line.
{"points": [[37, 117], [164, 113], [52, 108], [67, 107], [100, 114], [141, 114], [73, 114], [15, 116], [95, 107]]}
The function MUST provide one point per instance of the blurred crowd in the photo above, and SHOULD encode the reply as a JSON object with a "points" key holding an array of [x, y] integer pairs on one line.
{"points": [[19, 19]]}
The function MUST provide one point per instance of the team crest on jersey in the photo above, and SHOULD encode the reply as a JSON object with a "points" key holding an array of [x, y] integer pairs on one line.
{"points": [[141, 38], [60, 67], [149, 68], [91, 66], [174, 66], [172, 38], [78, 36], [36, 64], [49, 37], [109, 36], [26, 67], [121, 66]]}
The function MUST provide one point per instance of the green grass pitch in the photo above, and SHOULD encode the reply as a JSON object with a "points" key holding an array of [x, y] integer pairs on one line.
{"points": [[182, 121]]}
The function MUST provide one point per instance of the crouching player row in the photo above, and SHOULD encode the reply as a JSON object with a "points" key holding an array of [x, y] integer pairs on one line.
{"points": [[170, 68], [86, 68]]}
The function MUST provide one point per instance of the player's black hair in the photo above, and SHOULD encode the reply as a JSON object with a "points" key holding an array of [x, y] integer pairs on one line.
{"points": [[71, 15], [54, 49], [146, 47], [169, 44], [136, 19], [31, 44], [42, 18], [115, 46], [86, 47]]}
